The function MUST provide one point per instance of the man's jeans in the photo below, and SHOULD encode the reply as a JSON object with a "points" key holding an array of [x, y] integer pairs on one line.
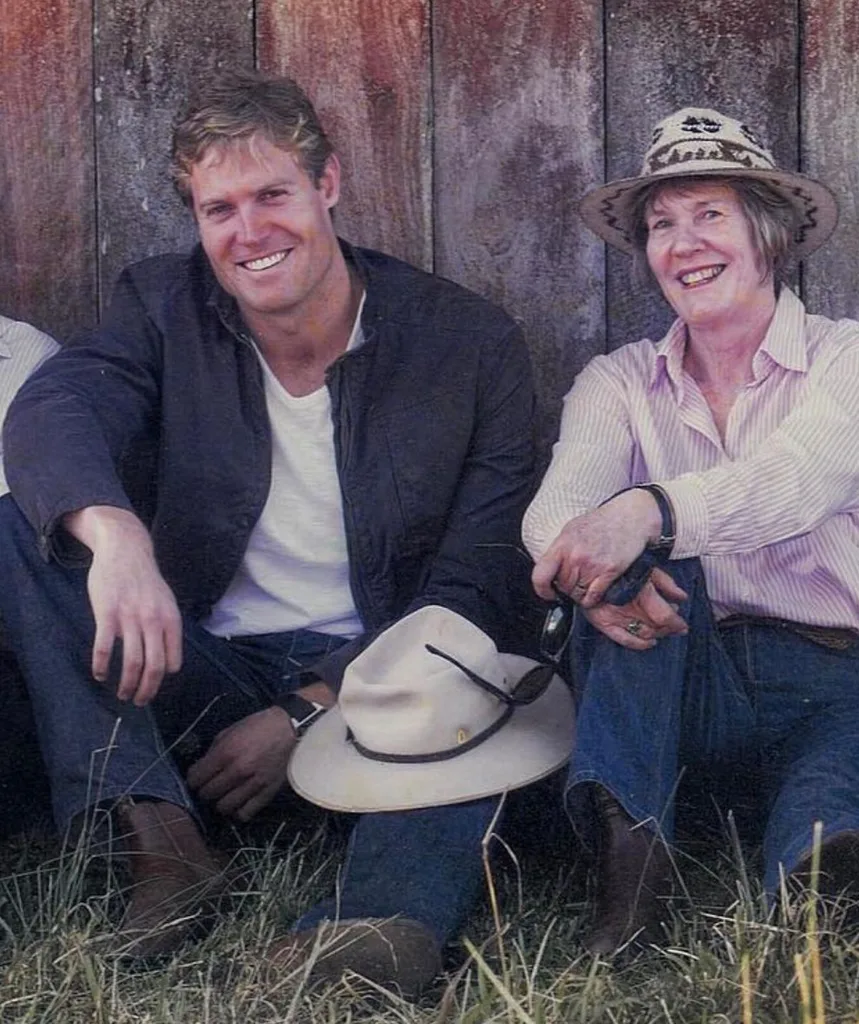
{"points": [[753, 704], [422, 864]]}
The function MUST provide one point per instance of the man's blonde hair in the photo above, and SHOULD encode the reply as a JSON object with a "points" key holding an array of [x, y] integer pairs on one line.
{"points": [[235, 107]]}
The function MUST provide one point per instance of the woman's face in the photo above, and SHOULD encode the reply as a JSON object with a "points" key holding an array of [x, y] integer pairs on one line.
{"points": [[701, 252]]}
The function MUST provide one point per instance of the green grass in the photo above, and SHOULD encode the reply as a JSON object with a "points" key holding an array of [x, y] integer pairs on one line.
{"points": [[727, 960]]}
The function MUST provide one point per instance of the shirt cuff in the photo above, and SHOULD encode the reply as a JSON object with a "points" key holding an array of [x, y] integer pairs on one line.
{"points": [[691, 519]]}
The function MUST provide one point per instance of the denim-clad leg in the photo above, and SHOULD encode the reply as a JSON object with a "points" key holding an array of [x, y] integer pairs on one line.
{"points": [[750, 698], [95, 748], [425, 865], [643, 715], [224, 680], [808, 727], [422, 864]]}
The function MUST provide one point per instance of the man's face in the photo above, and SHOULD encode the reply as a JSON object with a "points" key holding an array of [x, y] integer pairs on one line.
{"points": [[266, 227]]}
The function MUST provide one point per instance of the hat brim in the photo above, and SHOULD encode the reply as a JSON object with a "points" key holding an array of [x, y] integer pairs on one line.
{"points": [[607, 210], [327, 770]]}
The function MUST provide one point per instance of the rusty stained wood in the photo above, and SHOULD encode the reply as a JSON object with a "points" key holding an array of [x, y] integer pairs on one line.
{"points": [[47, 181], [366, 66], [518, 138], [149, 54], [830, 147], [730, 55]]}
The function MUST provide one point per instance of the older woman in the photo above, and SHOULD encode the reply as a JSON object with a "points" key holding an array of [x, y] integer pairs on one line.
{"points": [[729, 451]]}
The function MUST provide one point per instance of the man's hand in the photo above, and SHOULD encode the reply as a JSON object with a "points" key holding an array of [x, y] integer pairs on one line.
{"points": [[246, 764], [654, 611], [593, 549], [130, 601]]}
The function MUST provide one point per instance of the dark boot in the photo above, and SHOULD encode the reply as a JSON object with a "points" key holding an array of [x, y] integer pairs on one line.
{"points": [[396, 953], [838, 877], [175, 879], [634, 874]]}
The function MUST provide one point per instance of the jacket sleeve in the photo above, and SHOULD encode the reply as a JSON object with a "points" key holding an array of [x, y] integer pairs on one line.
{"points": [[70, 423], [478, 569]]}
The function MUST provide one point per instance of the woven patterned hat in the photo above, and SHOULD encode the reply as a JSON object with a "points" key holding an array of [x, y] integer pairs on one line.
{"points": [[697, 142]]}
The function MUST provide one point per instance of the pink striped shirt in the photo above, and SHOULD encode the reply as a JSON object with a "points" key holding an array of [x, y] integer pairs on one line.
{"points": [[774, 511]]}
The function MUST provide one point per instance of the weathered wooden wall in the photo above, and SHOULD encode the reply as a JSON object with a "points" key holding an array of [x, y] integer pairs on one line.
{"points": [[468, 130]]}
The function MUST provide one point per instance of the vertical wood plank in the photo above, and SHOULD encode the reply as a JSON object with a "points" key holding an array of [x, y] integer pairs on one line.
{"points": [[518, 102], [149, 55], [736, 57], [47, 181], [365, 66], [830, 147]]}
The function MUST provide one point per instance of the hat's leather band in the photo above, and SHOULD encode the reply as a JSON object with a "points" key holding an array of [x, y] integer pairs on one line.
{"points": [[440, 755]]}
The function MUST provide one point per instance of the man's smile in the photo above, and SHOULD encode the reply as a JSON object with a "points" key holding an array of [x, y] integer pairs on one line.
{"points": [[264, 262]]}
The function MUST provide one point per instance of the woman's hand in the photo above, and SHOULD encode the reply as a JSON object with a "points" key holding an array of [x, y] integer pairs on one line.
{"points": [[593, 549], [647, 618]]}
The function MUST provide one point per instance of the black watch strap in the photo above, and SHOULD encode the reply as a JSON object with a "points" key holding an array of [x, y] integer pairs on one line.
{"points": [[302, 712], [668, 531]]}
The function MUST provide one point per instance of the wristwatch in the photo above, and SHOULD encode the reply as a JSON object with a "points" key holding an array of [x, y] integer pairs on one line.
{"points": [[667, 534], [302, 712]]}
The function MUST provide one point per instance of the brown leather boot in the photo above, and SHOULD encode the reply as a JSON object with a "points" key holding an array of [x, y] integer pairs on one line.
{"points": [[175, 880], [634, 874], [396, 953]]}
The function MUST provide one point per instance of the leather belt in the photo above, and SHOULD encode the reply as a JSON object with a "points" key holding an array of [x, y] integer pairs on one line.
{"points": [[836, 638]]}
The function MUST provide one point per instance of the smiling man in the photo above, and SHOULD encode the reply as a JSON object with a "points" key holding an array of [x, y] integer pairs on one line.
{"points": [[250, 469]]}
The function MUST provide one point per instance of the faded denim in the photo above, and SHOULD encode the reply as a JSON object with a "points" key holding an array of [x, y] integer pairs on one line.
{"points": [[753, 706], [424, 864]]}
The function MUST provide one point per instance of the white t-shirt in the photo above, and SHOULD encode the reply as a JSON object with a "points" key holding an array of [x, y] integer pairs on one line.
{"points": [[295, 572]]}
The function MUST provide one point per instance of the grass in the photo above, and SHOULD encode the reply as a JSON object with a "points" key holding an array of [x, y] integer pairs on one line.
{"points": [[727, 960]]}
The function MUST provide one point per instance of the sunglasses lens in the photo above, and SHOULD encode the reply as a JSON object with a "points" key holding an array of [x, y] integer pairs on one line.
{"points": [[533, 684], [556, 631]]}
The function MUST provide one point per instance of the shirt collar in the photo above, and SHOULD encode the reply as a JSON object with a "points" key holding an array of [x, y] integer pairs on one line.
{"points": [[5, 325], [784, 344], [669, 356]]}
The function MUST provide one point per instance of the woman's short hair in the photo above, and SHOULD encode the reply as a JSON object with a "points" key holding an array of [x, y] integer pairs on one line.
{"points": [[238, 105], [771, 218]]}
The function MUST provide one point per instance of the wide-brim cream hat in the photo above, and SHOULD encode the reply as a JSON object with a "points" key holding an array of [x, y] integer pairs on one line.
{"points": [[429, 714], [696, 142]]}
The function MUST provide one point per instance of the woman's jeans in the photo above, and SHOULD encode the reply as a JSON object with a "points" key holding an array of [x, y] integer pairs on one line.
{"points": [[422, 864], [753, 705]]}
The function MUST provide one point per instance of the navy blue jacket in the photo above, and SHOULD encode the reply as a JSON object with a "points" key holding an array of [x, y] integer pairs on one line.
{"points": [[162, 410]]}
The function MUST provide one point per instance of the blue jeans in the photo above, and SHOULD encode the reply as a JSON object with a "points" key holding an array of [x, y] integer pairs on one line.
{"points": [[422, 864], [750, 705]]}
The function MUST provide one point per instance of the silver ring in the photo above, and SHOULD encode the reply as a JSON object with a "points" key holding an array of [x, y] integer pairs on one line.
{"points": [[634, 627], [579, 586]]}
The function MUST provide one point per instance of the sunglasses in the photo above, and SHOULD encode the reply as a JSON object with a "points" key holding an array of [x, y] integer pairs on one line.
{"points": [[529, 688], [557, 627]]}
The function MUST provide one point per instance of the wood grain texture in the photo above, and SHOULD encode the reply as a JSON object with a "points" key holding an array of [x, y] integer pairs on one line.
{"points": [[366, 66], [47, 181], [830, 147], [149, 54], [736, 57], [518, 129]]}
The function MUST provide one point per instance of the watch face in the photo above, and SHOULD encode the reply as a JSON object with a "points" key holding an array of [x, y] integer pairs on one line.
{"points": [[302, 712]]}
